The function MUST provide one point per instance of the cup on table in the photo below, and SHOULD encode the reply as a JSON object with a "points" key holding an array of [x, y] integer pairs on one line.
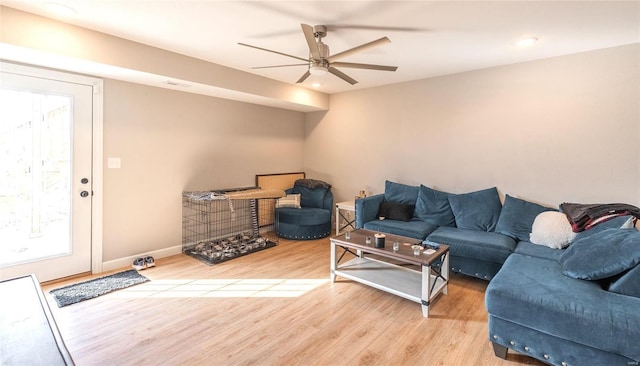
{"points": [[347, 235], [396, 246], [416, 249]]}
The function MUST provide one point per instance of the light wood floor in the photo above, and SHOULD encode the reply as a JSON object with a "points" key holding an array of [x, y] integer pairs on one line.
{"points": [[277, 307]]}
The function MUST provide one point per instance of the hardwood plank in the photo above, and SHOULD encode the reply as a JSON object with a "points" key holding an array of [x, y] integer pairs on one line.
{"points": [[274, 307]]}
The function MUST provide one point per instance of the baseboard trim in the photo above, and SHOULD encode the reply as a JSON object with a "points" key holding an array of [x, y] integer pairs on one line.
{"points": [[127, 261]]}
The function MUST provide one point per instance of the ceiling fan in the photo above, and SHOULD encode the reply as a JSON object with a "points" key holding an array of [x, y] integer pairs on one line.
{"points": [[320, 62]]}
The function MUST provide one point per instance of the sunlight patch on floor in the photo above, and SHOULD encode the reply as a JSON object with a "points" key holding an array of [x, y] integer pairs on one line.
{"points": [[208, 288]]}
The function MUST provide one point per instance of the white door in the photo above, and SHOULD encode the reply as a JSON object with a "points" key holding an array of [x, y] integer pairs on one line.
{"points": [[45, 177]]}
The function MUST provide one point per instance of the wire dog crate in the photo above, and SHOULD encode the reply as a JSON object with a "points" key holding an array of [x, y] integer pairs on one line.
{"points": [[221, 225]]}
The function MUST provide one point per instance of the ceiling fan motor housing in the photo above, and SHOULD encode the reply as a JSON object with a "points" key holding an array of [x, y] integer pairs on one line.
{"points": [[323, 49], [319, 31]]}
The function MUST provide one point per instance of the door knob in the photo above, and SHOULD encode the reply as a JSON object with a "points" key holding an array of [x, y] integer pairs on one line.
{"points": [[84, 180], [84, 194]]}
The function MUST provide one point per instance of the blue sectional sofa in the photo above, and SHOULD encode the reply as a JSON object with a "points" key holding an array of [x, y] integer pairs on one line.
{"points": [[579, 305], [480, 238]]}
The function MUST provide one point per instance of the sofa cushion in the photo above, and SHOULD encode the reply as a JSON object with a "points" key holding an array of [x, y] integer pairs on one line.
{"points": [[414, 229], [517, 216], [478, 210], [310, 197], [628, 283], [433, 206], [396, 211], [539, 251], [602, 255], [303, 216], [552, 229], [532, 292], [402, 193], [480, 245], [473, 267]]}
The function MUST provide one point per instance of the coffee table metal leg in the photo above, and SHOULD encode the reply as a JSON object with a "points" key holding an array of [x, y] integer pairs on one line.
{"points": [[426, 290]]}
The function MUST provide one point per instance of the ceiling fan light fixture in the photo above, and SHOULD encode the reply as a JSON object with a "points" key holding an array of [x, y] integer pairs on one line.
{"points": [[317, 70]]}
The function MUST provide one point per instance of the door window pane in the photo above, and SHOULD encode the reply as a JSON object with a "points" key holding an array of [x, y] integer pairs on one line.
{"points": [[35, 191]]}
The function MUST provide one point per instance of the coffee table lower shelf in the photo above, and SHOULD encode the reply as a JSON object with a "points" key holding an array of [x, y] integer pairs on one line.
{"points": [[400, 281]]}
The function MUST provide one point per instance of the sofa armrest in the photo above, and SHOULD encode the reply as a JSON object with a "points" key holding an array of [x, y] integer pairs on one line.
{"points": [[367, 209]]}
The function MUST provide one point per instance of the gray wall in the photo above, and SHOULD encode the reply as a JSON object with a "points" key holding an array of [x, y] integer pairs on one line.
{"points": [[554, 130], [171, 141]]}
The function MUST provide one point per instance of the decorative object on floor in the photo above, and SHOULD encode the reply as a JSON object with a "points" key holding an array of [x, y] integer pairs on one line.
{"points": [[224, 224], [99, 286], [143, 263], [149, 261]]}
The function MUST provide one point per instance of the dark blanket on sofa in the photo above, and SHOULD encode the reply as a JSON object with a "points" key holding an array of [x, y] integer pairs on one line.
{"points": [[312, 184], [583, 216]]}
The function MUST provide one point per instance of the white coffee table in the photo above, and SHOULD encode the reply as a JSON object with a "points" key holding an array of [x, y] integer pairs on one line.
{"points": [[421, 285]]}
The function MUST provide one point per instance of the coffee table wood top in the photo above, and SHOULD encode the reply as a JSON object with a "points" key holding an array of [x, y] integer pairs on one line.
{"points": [[404, 253]]}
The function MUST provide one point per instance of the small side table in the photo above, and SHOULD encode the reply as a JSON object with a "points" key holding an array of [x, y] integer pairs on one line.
{"points": [[345, 212]]}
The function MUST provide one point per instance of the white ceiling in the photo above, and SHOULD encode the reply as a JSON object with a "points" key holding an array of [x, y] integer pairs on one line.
{"points": [[429, 38]]}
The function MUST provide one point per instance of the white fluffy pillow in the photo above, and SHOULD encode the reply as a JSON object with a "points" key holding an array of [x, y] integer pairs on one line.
{"points": [[552, 229]]}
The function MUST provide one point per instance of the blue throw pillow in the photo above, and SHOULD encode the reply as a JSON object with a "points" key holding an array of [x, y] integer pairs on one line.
{"points": [[433, 207], [602, 255], [401, 193], [627, 284], [517, 217], [310, 197], [478, 210]]}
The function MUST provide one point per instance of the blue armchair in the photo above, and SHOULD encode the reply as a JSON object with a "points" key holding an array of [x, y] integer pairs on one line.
{"points": [[313, 219]]}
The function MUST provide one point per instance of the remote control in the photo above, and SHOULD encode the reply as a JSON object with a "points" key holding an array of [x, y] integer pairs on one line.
{"points": [[430, 244]]}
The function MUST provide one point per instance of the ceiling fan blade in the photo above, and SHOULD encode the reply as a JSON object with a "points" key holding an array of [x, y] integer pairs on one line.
{"points": [[338, 27], [364, 66], [311, 41], [279, 53], [303, 77], [342, 75], [268, 67], [360, 48]]}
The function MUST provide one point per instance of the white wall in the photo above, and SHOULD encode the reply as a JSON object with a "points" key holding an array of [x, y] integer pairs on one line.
{"points": [[550, 131], [169, 142]]}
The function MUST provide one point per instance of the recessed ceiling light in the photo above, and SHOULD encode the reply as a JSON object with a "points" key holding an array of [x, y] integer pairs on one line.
{"points": [[526, 42], [315, 85], [61, 9]]}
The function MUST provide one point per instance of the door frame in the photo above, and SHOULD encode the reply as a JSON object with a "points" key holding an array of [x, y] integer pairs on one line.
{"points": [[97, 86]]}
